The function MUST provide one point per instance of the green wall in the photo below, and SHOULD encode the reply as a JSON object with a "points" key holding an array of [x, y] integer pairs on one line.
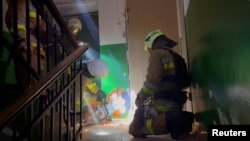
{"points": [[115, 55], [218, 38]]}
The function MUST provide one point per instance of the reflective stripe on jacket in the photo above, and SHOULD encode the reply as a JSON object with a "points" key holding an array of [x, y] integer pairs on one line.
{"points": [[161, 63]]}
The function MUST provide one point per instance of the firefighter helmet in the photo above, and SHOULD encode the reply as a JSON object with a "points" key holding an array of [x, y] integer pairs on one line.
{"points": [[97, 68], [75, 25], [150, 38]]}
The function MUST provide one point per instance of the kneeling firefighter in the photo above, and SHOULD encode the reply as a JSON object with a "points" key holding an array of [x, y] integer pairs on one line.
{"points": [[160, 101]]}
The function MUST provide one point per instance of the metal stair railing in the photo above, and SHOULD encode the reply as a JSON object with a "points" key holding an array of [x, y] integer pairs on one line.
{"points": [[30, 115], [47, 108]]}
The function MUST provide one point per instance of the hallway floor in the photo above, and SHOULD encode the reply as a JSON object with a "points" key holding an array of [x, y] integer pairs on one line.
{"points": [[117, 131]]}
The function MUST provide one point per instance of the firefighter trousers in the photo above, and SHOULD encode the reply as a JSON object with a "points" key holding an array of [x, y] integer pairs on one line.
{"points": [[176, 123]]}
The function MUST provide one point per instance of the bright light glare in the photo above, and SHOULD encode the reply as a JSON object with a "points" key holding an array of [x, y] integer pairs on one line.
{"points": [[90, 109], [80, 43], [101, 132], [131, 112]]}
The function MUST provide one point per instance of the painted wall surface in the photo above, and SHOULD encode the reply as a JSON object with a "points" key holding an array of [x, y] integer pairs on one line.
{"points": [[144, 16], [4, 10], [116, 83], [113, 51], [112, 21], [116, 59], [218, 35]]}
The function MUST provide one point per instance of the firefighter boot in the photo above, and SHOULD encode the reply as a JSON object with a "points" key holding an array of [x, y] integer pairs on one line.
{"points": [[158, 125], [137, 126], [179, 123]]}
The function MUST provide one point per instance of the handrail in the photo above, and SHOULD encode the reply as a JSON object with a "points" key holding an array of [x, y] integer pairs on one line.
{"points": [[59, 19], [22, 102]]}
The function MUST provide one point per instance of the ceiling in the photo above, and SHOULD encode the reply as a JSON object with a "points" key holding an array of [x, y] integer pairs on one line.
{"points": [[74, 7]]}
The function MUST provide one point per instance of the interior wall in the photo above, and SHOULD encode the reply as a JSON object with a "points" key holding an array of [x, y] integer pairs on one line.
{"points": [[4, 10], [118, 68], [113, 43], [144, 16], [112, 21], [218, 47]]}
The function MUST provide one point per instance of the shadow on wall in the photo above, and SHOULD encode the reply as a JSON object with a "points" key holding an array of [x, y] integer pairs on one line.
{"points": [[222, 69]]}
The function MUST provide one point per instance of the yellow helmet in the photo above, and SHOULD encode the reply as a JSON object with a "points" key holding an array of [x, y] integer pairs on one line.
{"points": [[150, 38], [75, 25]]}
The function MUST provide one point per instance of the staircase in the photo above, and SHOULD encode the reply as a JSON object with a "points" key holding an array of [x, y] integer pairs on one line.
{"points": [[44, 107]]}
